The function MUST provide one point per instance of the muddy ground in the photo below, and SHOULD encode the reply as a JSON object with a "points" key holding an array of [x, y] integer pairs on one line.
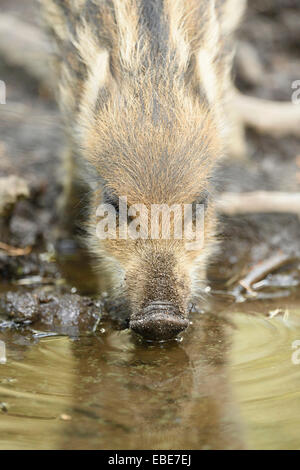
{"points": [[46, 285]]}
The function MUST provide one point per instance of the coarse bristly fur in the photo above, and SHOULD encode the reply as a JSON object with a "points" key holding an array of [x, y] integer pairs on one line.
{"points": [[143, 86]]}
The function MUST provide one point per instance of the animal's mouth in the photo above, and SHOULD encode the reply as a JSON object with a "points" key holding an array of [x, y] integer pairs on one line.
{"points": [[159, 321]]}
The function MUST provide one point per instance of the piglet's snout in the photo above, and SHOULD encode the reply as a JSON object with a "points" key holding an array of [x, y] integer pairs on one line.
{"points": [[159, 321]]}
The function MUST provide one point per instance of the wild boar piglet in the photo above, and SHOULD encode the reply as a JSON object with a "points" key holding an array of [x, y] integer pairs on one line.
{"points": [[143, 86]]}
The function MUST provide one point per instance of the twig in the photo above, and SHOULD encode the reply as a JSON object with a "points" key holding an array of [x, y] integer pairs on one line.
{"points": [[268, 117], [258, 202], [13, 251], [17, 112], [24, 45], [262, 269]]}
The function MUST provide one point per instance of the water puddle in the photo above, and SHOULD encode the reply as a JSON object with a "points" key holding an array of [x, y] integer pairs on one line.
{"points": [[232, 382]]}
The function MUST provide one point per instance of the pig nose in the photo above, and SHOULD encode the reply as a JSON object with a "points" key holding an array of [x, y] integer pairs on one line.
{"points": [[159, 321]]}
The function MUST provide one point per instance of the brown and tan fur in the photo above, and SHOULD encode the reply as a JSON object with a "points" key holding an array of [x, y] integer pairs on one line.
{"points": [[143, 86]]}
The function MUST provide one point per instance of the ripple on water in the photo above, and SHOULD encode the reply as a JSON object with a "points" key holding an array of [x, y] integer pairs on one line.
{"points": [[265, 379], [37, 391]]}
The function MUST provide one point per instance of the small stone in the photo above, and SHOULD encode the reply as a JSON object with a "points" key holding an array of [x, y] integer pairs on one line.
{"points": [[12, 188], [65, 417], [3, 407], [179, 339]]}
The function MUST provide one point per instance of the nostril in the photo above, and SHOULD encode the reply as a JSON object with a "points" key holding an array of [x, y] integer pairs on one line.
{"points": [[160, 307], [159, 321]]}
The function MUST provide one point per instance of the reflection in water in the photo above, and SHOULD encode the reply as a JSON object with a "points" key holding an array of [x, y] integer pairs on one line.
{"points": [[166, 397], [221, 387], [121, 393]]}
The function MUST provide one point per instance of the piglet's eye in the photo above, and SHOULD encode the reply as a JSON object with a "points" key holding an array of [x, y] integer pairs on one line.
{"points": [[109, 197], [203, 199]]}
